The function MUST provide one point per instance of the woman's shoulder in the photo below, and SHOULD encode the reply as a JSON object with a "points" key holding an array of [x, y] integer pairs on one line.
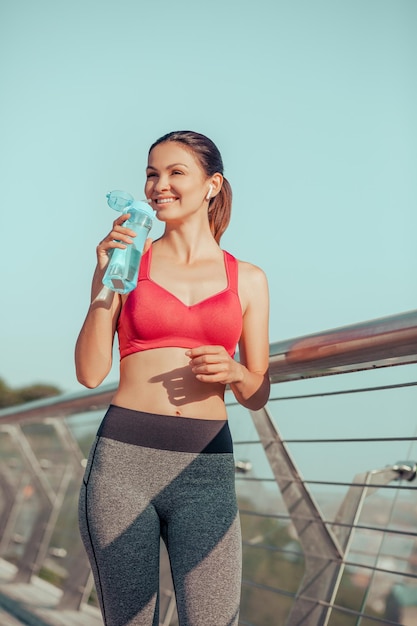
{"points": [[247, 269], [250, 275]]}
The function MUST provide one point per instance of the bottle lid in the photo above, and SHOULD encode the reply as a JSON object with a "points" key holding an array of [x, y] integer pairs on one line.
{"points": [[119, 200], [122, 201]]}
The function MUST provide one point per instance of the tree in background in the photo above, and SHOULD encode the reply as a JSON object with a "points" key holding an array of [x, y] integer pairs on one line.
{"points": [[11, 397]]}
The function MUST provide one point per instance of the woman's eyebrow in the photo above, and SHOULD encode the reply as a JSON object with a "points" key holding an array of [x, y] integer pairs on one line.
{"points": [[150, 167]]}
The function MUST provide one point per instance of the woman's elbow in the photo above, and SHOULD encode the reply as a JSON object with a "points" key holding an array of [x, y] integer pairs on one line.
{"points": [[259, 399], [90, 378], [257, 402], [89, 383]]}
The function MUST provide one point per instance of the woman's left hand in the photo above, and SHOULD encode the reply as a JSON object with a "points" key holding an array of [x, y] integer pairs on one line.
{"points": [[213, 364]]}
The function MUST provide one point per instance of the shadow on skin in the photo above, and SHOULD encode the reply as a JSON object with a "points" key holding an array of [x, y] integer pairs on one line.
{"points": [[178, 380]]}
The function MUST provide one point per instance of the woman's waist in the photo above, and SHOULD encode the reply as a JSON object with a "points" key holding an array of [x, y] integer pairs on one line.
{"points": [[175, 405], [162, 382], [166, 432]]}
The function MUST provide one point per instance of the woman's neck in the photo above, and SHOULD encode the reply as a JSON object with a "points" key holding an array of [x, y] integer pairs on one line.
{"points": [[187, 245]]}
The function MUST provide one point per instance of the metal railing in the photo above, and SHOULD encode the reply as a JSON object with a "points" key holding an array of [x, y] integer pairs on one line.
{"points": [[328, 511]]}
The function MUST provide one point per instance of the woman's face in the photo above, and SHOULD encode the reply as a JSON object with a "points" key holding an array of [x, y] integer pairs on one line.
{"points": [[175, 182]]}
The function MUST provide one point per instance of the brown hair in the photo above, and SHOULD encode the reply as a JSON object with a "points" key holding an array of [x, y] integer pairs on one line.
{"points": [[209, 157]]}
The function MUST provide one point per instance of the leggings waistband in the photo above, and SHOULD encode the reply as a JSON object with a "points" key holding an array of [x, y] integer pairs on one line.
{"points": [[166, 432]]}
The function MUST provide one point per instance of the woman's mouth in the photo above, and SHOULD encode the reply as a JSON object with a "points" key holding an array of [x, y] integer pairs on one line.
{"points": [[164, 200]]}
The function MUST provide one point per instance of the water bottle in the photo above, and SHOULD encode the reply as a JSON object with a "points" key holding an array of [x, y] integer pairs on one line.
{"points": [[122, 271]]}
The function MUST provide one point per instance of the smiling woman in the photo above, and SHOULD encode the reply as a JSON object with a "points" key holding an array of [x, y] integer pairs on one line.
{"points": [[162, 462]]}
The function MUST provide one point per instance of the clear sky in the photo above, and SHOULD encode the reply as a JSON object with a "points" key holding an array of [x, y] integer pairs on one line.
{"points": [[312, 103]]}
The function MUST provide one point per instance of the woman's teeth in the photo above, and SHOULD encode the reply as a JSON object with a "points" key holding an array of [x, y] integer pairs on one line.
{"points": [[165, 200]]}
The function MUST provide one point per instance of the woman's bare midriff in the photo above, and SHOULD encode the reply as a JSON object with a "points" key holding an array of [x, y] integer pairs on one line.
{"points": [[161, 381]]}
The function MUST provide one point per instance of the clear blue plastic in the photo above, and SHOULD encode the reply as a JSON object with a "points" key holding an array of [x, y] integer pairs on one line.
{"points": [[122, 271]]}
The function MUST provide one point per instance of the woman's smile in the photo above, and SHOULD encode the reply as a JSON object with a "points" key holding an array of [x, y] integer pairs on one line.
{"points": [[164, 200]]}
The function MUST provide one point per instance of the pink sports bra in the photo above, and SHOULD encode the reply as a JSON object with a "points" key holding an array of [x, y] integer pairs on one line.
{"points": [[152, 317]]}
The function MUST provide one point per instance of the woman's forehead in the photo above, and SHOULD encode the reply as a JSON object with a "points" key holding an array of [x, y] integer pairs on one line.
{"points": [[171, 153]]}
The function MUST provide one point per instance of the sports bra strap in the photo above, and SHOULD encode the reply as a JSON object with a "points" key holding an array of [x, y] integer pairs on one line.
{"points": [[144, 265], [232, 269]]}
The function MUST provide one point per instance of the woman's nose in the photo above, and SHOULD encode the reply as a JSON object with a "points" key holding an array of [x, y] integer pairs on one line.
{"points": [[162, 183]]}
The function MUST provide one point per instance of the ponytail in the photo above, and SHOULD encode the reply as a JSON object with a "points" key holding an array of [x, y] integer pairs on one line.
{"points": [[219, 211]]}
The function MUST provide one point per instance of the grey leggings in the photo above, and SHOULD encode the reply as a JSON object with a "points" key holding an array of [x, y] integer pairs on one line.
{"points": [[151, 476]]}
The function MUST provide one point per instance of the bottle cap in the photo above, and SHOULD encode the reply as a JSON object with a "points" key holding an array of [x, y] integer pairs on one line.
{"points": [[119, 200], [122, 201]]}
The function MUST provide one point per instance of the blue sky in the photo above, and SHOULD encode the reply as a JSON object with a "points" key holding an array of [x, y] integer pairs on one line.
{"points": [[312, 104]]}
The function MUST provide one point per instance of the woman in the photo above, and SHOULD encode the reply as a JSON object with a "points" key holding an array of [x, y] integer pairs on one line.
{"points": [[162, 462]]}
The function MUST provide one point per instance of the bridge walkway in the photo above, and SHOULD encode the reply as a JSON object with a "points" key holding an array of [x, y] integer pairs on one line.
{"points": [[34, 604]]}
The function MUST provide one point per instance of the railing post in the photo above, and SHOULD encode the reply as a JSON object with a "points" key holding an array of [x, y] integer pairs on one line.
{"points": [[8, 496], [30, 563], [78, 583], [322, 552]]}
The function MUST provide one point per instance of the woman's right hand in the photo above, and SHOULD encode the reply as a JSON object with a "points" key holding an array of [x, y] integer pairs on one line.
{"points": [[118, 237]]}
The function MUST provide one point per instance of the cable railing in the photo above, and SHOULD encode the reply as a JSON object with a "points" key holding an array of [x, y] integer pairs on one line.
{"points": [[325, 477]]}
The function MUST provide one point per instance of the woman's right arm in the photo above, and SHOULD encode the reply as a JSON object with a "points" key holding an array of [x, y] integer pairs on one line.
{"points": [[94, 347]]}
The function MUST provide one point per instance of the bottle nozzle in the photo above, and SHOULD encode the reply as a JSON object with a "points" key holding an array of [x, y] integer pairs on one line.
{"points": [[119, 200]]}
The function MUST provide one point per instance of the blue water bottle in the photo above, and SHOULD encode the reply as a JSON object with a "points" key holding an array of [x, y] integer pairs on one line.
{"points": [[122, 271]]}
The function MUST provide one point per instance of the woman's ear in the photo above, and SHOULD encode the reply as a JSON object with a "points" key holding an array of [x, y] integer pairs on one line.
{"points": [[215, 184]]}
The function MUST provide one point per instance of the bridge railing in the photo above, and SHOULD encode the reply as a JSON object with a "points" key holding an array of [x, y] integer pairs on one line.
{"points": [[325, 479]]}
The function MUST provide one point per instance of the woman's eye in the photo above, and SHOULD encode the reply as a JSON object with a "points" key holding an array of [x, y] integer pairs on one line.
{"points": [[150, 175], [177, 172]]}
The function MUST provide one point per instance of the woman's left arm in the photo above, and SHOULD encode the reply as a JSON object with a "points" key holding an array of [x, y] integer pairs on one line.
{"points": [[251, 389], [249, 377]]}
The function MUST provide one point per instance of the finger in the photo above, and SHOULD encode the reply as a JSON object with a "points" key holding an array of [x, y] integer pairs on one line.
{"points": [[206, 361], [212, 378], [202, 350], [112, 242], [115, 243], [119, 236], [119, 231], [210, 368], [120, 226], [218, 356], [122, 218]]}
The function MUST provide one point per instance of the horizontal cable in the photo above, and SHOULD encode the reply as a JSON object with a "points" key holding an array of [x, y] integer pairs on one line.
{"points": [[342, 609], [348, 563], [379, 620], [316, 602], [282, 592], [371, 486], [335, 440], [305, 518], [343, 392], [325, 482], [352, 440]]}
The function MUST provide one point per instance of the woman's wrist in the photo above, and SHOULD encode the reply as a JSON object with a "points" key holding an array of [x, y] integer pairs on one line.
{"points": [[99, 292], [239, 378]]}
